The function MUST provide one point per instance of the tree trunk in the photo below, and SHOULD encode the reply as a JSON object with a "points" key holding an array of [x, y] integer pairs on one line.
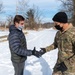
{"points": [[73, 18]]}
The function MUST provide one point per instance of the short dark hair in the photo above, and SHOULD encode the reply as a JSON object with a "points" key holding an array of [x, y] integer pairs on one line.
{"points": [[18, 18]]}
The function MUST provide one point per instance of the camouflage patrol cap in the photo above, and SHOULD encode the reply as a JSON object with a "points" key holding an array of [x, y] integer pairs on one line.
{"points": [[60, 17]]}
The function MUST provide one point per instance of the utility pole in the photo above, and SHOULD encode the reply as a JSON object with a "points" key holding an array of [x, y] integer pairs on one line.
{"points": [[16, 7], [5, 25]]}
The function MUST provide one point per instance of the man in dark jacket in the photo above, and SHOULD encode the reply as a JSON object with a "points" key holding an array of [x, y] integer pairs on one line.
{"points": [[18, 46]]}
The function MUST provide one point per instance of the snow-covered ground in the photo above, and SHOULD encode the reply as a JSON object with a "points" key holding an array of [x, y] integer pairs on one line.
{"points": [[2, 33], [33, 65]]}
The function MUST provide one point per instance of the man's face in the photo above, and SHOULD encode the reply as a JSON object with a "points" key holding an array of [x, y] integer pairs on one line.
{"points": [[58, 23], [20, 24], [58, 26]]}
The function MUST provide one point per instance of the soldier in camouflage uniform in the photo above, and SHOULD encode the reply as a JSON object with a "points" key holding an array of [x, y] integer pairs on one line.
{"points": [[65, 42]]}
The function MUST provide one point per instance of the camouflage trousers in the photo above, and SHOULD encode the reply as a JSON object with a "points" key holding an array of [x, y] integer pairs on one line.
{"points": [[65, 73]]}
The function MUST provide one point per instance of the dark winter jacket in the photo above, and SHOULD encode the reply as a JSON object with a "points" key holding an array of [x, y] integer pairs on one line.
{"points": [[17, 45]]}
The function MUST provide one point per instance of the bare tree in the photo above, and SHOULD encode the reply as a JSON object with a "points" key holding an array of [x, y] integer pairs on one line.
{"points": [[1, 11], [30, 18], [9, 20], [37, 15], [69, 7], [73, 16], [34, 17], [32, 14], [1, 7], [22, 7]]}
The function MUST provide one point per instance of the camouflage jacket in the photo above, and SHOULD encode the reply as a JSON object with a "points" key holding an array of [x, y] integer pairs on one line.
{"points": [[65, 42]]}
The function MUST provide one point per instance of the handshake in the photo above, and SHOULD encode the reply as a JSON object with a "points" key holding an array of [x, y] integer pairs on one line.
{"points": [[38, 53]]}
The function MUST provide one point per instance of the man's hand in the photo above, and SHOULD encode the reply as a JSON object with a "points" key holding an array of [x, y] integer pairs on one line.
{"points": [[36, 53]]}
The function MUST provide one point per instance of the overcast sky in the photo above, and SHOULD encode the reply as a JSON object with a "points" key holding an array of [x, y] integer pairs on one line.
{"points": [[47, 7]]}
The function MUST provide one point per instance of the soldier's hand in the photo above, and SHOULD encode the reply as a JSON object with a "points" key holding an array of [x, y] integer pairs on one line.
{"points": [[42, 51]]}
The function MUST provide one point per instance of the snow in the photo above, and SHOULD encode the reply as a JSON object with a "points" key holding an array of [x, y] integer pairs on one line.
{"points": [[2, 33], [33, 65]]}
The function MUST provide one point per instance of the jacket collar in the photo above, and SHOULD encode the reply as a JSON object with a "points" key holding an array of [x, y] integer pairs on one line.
{"points": [[70, 26]]}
